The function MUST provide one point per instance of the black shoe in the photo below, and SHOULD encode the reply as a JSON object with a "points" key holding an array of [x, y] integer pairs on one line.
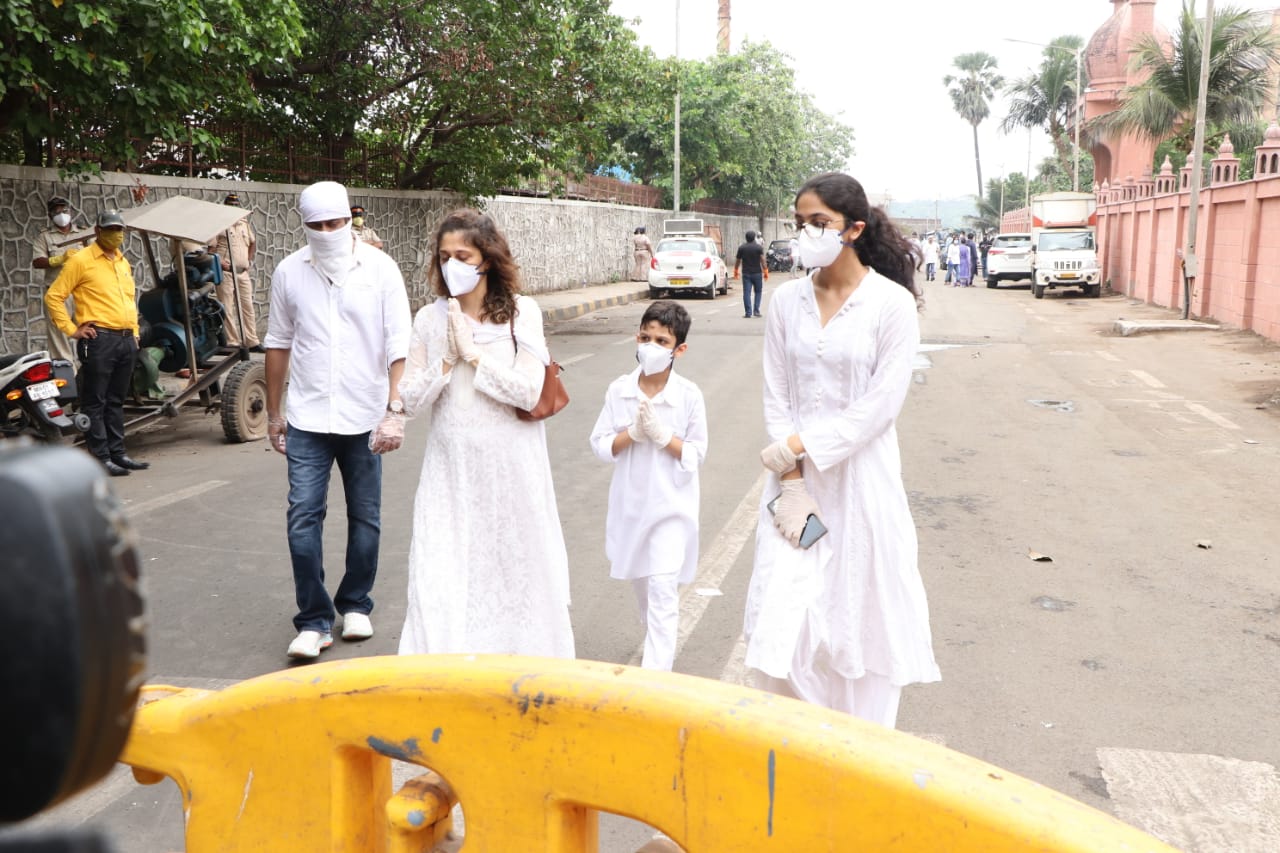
{"points": [[746, 316], [757, 314], [130, 464], [115, 470], [259, 348]]}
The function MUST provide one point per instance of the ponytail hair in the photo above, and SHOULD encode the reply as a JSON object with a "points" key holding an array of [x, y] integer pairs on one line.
{"points": [[881, 245]]}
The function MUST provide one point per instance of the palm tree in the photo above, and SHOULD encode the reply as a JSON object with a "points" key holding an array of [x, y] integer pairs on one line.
{"points": [[971, 94], [1241, 53], [1046, 99]]}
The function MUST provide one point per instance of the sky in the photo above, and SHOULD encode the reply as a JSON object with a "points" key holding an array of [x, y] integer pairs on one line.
{"points": [[878, 66]]}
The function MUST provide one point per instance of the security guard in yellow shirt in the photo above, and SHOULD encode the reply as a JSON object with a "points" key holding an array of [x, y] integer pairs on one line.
{"points": [[363, 231], [106, 332]]}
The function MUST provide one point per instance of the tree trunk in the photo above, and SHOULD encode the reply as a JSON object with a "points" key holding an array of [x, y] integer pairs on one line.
{"points": [[977, 161]]}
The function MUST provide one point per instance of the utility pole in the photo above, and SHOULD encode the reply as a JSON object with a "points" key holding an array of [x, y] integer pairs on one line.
{"points": [[675, 172], [1189, 261]]}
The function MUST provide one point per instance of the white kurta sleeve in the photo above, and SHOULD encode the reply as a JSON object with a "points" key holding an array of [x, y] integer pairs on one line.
{"points": [[695, 435], [517, 384], [424, 377], [397, 319], [835, 439], [779, 420], [606, 428]]}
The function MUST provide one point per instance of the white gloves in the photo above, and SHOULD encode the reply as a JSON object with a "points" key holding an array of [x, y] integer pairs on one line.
{"points": [[636, 431], [778, 457], [387, 435], [651, 425], [461, 344], [792, 510]]}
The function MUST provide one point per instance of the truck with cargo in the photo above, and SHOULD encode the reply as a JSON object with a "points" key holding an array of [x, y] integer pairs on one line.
{"points": [[1064, 228]]}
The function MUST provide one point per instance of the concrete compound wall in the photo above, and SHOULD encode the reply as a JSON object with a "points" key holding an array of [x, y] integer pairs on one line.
{"points": [[558, 244], [1238, 244]]}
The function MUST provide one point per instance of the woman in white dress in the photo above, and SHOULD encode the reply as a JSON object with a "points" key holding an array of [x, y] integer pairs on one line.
{"points": [[843, 623], [488, 572]]}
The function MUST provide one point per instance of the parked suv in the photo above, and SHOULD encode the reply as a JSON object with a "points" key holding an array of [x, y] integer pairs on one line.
{"points": [[1009, 258]]}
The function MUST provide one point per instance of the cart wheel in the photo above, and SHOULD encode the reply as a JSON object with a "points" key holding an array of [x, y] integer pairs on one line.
{"points": [[244, 402]]}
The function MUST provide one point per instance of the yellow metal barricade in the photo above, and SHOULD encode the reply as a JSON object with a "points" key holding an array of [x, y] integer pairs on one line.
{"points": [[300, 761]]}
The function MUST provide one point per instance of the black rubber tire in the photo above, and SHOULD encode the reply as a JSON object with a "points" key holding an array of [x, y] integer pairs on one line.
{"points": [[711, 290], [654, 293], [1037, 290], [992, 281], [1093, 291], [244, 403]]}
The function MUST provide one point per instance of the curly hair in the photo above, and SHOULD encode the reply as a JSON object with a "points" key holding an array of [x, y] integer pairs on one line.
{"points": [[881, 245], [502, 274]]}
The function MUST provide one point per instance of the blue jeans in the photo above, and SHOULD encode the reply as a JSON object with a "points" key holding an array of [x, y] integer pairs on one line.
{"points": [[750, 280], [311, 456]]}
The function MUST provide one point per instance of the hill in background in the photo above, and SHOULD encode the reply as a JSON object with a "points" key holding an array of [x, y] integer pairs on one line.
{"points": [[951, 211]]}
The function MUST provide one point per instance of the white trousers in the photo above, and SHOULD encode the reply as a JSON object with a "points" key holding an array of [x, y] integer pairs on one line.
{"points": [[871, 697], [659, 599]]}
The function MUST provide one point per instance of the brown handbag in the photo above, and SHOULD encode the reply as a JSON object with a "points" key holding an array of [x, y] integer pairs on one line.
{"points": [[554, 396]]}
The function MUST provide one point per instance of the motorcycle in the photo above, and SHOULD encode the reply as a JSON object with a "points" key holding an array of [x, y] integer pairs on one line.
{"points": [[38, 393]]}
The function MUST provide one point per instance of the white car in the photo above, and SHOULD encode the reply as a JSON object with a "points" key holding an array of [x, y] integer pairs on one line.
{"points": [[1009, 258], [687, 264]]}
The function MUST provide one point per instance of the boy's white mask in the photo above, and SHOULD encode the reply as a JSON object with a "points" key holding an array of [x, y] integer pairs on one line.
{"points": [[654, 358]]}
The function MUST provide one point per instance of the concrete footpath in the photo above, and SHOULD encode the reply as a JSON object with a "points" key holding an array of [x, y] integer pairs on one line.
{"points": [[566, 304]]}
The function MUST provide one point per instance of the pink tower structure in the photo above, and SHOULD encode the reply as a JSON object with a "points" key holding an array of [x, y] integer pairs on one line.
{"points": [[1107, 58]]}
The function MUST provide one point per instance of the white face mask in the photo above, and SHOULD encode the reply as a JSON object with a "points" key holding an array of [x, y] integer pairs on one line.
{"points": [[62, 220], [653, 358], [820, 251], [461, 278], [332, 252]]}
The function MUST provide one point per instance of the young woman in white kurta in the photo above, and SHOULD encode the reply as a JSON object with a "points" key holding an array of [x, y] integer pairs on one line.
{"points": [[844, 623], [488, 571]]}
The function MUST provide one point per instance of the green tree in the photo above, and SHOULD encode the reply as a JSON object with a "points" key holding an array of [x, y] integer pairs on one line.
{"points": [[106, 79], [469, 95], [746, 132], [971, 93], [1242, 52], [1046, 99]]}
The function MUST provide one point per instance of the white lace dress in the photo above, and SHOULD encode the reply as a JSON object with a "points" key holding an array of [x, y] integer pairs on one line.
{"points": [[488, 572]]}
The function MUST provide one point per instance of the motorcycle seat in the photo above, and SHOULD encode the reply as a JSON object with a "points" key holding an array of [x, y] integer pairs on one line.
{"points": [[6, 360]]}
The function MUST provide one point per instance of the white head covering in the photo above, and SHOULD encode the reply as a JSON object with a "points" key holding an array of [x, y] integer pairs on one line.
{"points": [[323, 201]]}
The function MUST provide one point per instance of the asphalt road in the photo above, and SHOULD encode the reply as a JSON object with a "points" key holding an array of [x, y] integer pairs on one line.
{"points": [[1136, 670]]}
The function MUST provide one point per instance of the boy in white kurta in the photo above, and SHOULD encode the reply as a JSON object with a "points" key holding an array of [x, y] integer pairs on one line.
{"points": [[653, 428]]}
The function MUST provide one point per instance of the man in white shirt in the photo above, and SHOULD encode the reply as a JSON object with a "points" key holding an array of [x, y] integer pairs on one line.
{"points": [[339, 331]]}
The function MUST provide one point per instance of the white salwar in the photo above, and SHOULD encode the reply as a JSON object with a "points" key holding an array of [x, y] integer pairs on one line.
{"points": [[488, 571], [853, 605], [651, 530]]}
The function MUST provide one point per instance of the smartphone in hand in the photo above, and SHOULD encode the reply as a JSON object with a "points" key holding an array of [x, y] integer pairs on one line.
{"points": [[814, 529]]}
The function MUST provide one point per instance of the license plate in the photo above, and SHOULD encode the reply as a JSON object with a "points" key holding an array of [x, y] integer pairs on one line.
{"points": [[679, 282], [42, 390], [1068, 275]]}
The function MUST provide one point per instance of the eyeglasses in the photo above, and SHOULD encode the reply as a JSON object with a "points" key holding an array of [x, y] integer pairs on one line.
{"points": [[815, 229]]}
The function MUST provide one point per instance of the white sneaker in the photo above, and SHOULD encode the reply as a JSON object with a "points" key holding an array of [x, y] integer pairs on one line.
{"points": [[356, 626], [309, 644]]}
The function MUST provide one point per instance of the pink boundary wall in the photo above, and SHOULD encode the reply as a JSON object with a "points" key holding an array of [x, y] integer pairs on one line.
{"points": [[1238, 244], [1139, 239]]}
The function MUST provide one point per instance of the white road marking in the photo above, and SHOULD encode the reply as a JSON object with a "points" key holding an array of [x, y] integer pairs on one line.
{"points": [[712, 311], [1212, 416], [142, 507], [1147, 379], [1197, 803], [1103, 354], [629, 339], [577, 358], [715, 564]]}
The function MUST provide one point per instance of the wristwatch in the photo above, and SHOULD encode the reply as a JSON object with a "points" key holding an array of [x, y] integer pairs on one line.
{"points": [[395, 407]]}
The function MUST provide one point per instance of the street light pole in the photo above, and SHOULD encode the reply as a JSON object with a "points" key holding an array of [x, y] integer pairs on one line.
{"points": [[1075, 180], [1075, 177], [1189, 264], [675, 176]]}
